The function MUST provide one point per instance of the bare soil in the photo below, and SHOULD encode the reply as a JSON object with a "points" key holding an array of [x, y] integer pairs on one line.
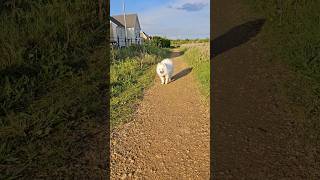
{"points": [[168, 137]]}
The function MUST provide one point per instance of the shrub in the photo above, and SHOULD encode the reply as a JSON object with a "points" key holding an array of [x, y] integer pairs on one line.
{"points": [[160, 42]]}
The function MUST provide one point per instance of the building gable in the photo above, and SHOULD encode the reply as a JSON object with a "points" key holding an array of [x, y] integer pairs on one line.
{"points": [[132, 20]]}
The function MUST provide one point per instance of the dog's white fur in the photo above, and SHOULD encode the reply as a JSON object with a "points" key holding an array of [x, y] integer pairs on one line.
{"points": [[165, 71]]}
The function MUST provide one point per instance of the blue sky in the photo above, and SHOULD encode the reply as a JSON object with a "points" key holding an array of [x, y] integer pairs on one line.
{"points": [[170, 18]]}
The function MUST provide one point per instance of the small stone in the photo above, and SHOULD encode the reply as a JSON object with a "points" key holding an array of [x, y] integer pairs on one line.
{"points": [[131, 160], [123, 176], [113, 142]]}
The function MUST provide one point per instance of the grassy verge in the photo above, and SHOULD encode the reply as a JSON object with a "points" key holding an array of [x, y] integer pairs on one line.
{"points": [[292, 36], [132, 71], [198, 56], [178, 42], [51, 87]]}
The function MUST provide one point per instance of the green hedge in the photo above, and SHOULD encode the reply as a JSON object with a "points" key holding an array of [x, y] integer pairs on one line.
{"points": [[178, 42], [160, 42]]}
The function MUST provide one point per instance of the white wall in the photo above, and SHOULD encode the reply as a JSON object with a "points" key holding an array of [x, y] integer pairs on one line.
{"points": [[113, 32], [117, 32], [134, 33], [121, 35], [137, 33]]}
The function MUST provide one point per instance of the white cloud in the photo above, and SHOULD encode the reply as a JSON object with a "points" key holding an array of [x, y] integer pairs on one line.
{"points": [[175, 23], [179, 2]]}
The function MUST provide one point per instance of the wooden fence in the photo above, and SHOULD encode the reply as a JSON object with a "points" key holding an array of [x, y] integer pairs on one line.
{"points": [[123, 42]]}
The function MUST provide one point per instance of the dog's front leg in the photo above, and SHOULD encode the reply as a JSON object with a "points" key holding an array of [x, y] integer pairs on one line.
{"points": [[167, 79], [162, 79]]}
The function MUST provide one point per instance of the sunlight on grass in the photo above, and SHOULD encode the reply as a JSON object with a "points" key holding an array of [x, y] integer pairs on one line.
{"points": [[197, 55]]}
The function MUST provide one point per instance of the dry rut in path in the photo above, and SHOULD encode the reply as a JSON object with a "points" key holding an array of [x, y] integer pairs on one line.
{"points": [[169, 136]]}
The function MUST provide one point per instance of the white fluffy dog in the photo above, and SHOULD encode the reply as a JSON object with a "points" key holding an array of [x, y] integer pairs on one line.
{"points": [[165, 70]]}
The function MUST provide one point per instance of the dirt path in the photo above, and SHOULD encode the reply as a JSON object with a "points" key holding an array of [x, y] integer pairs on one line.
{"points": [[169, 136], [255, 135]]}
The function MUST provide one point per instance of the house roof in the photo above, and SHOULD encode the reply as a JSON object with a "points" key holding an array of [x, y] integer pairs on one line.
{"points": [[116, 21], [131, 20], [144, 34]]}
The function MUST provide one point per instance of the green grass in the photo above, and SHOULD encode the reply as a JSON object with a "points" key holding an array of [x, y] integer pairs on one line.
{"points": [[292, 36], [198, 57], [52, 76], [179, 42], [132, 71]]}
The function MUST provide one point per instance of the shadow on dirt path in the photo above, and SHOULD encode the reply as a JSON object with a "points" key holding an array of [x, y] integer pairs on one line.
{"points": [[175, 53], [182, 73], [236, 36]]}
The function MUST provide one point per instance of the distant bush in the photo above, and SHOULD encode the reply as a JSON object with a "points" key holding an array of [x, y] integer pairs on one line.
{"points": [[179, 42], [160, 42]]}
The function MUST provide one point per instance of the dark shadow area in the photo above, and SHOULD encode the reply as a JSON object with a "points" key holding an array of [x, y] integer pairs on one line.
{"points": [[236, 36], [182, 73], [176, 54]]}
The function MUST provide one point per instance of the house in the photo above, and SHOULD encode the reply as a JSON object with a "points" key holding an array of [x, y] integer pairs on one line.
{"points": [[144, 37], [117, 33], [133, 27]]}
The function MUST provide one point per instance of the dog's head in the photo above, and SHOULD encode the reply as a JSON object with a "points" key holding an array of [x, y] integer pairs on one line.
{"points": [[161, 68]]}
